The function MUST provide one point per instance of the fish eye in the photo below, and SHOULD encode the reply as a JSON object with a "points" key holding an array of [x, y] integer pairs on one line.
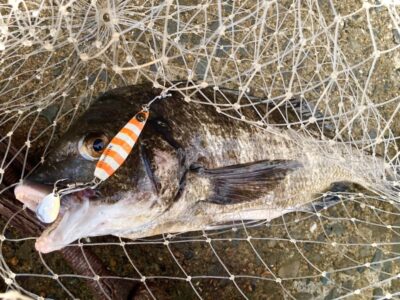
{"points": [[98, 145], [92, 145]]}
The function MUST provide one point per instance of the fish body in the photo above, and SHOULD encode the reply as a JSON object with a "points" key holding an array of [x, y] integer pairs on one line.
{"points": [[191, 169]]}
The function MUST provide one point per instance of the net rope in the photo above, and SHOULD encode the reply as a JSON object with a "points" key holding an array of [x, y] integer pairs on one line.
{"points": [[343, 57]]}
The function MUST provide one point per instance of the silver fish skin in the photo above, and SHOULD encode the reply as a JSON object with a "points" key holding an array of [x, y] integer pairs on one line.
{"points": [[192, 169]]}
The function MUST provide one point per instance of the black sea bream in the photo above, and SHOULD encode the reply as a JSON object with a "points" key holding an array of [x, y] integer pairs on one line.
{"points": [[192, 168]]}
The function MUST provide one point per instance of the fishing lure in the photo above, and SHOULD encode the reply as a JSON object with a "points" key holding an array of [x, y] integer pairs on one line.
{"points": [[111, 159], [120, 146], [49, 208]]}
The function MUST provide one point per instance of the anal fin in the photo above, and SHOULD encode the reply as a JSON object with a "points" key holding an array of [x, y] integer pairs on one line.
{"points": [[331, 197]]}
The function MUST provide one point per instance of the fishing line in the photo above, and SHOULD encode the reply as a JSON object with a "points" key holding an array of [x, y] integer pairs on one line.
{"points": [[113, 156]]}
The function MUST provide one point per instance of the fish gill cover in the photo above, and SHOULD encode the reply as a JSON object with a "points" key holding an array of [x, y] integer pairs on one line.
{"points": [[342, 58]]}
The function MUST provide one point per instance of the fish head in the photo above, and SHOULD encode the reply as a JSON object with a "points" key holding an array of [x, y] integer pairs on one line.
{"points": [[132, 199]]}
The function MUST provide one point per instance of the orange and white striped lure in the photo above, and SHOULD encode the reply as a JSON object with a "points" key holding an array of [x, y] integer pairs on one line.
{"points": [[120, 146]]}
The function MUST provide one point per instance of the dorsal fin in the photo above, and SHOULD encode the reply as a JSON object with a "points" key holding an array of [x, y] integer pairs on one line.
{"points": [[299, 110]]}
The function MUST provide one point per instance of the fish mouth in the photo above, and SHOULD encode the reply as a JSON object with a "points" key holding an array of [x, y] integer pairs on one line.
{"points": [[31, 193]]}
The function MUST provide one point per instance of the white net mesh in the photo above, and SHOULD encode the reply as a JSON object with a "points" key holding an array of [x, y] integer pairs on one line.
{"points": [[343, 57]]}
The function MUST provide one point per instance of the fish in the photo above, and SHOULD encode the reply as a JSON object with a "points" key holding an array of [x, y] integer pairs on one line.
{"points": [[193, 167]]}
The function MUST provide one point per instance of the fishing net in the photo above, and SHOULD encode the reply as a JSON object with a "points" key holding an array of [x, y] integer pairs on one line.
{"points": [[341, 57]]}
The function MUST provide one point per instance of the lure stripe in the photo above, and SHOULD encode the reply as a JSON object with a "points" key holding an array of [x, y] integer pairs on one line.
{"points": [[109, 152], [120, 146], [134, 128], [112, 163], [136, 123], [105, 167], [119, 143], [126, 138], [100, 173], [129, 133], [121, 151]]}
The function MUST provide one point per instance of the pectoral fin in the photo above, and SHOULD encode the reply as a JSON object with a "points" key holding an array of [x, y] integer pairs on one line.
{"points": [[246, 182]]}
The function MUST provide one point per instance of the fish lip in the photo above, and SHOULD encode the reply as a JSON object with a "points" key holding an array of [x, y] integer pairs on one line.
{"points": [[31, 193]]}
